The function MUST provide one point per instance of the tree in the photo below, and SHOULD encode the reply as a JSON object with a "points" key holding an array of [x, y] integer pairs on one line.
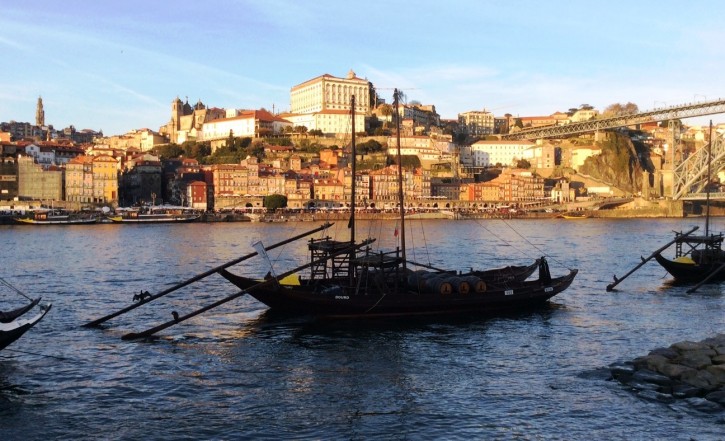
{"points": [[316, 132], [168, 151], [386, 109], [518, 123], [618, 109], [275, 201], [522, 163]]}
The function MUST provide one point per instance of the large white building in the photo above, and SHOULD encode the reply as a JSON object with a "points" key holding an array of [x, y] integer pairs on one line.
{"points": [[488, 153], [323, 103]]}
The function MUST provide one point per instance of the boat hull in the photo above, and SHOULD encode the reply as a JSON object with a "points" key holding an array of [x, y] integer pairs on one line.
{"points": [[332, 299], [12, 331], [691, 272]]}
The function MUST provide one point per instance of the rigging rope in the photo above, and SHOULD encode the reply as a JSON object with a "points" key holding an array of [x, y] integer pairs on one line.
{"points": [[7, 284]]}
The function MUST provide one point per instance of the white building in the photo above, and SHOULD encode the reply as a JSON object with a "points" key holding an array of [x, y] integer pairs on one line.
{"points": [[476, 123], [488, 153], [323, 103]]}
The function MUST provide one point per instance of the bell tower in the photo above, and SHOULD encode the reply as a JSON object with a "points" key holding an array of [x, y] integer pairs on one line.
{"points": [[39, 113]]}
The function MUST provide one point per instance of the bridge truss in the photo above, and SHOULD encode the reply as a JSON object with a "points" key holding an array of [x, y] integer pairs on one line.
{"points": [[659, 114], [690, 176]]}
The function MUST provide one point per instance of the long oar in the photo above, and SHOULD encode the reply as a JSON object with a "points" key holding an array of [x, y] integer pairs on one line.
{"points": [[616, 280], [198, 277], [178, 319], [706, 279]]}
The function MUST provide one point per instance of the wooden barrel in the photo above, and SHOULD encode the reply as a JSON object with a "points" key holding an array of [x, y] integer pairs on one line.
{"points": [[416, 280], [459, 284], [438, 285], [477, 285]]}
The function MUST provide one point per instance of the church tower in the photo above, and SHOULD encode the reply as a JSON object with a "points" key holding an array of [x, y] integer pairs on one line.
{"points": [[40, 113]]}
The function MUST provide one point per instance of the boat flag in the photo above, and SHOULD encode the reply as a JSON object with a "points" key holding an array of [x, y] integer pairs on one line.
{"points": [[395, 233], [259, 248]]}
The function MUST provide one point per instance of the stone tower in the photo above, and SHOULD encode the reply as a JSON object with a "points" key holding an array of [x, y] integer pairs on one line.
{"points": [[40, 113]]}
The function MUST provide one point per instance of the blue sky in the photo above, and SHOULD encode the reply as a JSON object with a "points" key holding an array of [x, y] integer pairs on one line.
{"points": [[117, 66]]}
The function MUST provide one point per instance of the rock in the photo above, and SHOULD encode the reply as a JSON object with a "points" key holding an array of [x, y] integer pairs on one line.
{"points": [[668, 353], [702, 379], [718, 359], [689, 346], [648, 376], [704, 405], [674, 371], [651, 395], [698, 359], [685, 391], [718, 371], [622, 371], [642, 385], [718, 396], [655, 362]]}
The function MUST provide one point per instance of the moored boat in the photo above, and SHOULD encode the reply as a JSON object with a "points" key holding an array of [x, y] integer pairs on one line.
{"points": [[14, 329], [51, 217], [156, 215], [349, 279]]}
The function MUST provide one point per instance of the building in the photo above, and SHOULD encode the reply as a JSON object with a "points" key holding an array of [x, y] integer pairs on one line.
{"points": [[476, 123], [247, 124], [91, 180], [186, 121], [505, 153], [39, 181], [541, 156], [323, 103]]}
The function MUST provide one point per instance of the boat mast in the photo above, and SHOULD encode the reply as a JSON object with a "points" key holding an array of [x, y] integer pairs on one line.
{"points": [[707, 188], [351, 224], [396, 100]]}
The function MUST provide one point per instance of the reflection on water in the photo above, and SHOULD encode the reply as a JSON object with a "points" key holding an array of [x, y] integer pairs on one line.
{"points": [[240, 372]]}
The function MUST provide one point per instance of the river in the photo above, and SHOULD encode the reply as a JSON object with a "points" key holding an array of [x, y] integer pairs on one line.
{"points": [[235, 373]]}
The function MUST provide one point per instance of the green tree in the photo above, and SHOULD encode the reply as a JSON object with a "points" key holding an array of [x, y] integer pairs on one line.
{"points": [[275, 201], [522, 163], [168, 151]]}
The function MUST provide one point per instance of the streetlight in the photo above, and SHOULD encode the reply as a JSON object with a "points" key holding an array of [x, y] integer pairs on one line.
{"points": [[661, 102], [696, 95]]}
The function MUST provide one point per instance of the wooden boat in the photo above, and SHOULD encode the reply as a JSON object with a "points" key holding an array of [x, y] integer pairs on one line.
{"points": [[19, 323], [573, 215], [697, 258], [155, 215], [349, 279], [49, 217]]}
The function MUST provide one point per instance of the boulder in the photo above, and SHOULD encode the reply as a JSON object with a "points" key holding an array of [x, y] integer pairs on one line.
{"points": [[718, 371], [718, 396], [674, 371], [668, 353], [648, 376], [704, 405], [718, 359], [702, 379], [698, 359], [689, 346]]}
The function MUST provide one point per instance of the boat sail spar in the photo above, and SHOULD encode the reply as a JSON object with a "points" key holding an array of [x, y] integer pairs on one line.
{"points": [[348, 278]]}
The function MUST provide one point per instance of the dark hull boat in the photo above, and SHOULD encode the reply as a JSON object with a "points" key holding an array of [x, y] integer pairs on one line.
{"points": [[12, 330], [696, 258], [387, 293]]}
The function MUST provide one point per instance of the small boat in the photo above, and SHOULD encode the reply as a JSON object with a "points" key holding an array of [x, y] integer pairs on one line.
{"points": [[155, 215], [13, 330], [50, 217], [349, 279], [15, 323], [573, 215]]}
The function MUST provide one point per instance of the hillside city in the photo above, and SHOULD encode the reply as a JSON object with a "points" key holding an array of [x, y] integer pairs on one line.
{"points": [[209, 158]]}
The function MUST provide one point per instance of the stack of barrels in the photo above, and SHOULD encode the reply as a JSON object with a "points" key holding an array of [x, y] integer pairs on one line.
{"points": [[444, 283]]}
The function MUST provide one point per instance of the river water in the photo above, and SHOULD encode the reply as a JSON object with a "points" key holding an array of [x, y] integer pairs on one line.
{"points": [[235, 373]]}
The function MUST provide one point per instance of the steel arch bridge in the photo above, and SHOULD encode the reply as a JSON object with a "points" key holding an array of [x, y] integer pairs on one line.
{"points": [[660, 114]]}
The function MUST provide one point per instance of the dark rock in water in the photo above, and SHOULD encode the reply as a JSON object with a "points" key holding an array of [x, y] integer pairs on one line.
{"points": [[685, 391], [718, 396], [649, 376], [640, 385], [704, 405], [651, 395], [622, 371]]}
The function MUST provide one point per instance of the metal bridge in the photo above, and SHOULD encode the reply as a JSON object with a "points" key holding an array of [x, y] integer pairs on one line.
{"points": [[660, 114], [691, 175]]}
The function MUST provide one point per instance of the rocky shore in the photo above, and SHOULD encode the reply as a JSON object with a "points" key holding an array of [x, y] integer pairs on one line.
{"points": [[689, 371]]}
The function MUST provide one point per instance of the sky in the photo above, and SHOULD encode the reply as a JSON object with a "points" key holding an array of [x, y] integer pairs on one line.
{"points": [[117, 66]]}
